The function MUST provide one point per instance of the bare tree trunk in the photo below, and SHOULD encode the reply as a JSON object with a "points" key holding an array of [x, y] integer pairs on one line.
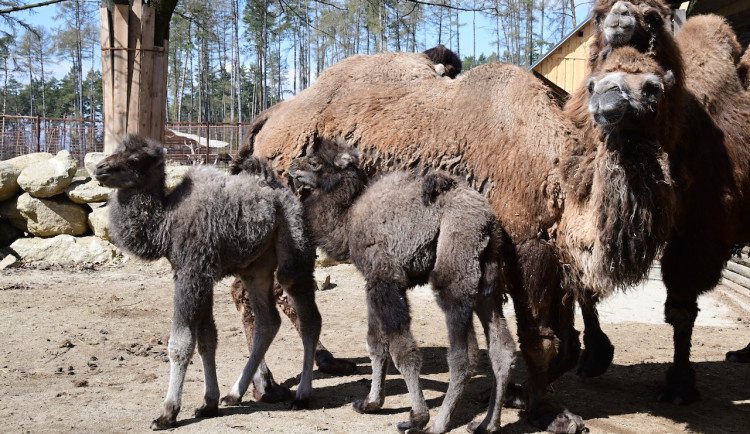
{"points": [[573, 12]]}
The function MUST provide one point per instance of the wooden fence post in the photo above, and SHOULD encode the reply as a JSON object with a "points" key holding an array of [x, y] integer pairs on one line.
{"points": [[134, 74]]}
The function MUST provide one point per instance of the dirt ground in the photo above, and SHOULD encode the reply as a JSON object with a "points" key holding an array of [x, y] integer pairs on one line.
{"points": [[83, 349]]}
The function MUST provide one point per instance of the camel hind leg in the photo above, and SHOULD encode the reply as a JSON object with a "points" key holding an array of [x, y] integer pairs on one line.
{"points": [[302, 292], [265, 388], [296, 259], [501, 348], [387, 306], [258, 279], [206, 333], [462, 356]]}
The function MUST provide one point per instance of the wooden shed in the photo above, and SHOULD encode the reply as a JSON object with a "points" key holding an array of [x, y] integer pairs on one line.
{"points": [[565, 63]]}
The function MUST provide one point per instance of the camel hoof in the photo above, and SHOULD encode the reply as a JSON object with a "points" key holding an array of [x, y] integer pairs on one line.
{"points": [[230, 400], [416, 422], [515, 396], [330, 365], [739, 356], [163, 423], [681, 394], [477, 428], [300, 404], [364, 407], [206, 411], [679, 387], [596, 358], [550, 418], [567, 423], [274, 393]]}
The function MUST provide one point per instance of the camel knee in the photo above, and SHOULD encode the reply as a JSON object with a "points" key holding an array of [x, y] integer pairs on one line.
{"points": [[680, 315], [405, 353]]}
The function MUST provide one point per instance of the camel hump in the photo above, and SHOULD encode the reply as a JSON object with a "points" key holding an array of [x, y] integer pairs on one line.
{"points": [[436, 183]]}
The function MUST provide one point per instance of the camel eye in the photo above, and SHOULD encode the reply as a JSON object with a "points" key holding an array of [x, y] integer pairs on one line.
{"points": [[133, 162], [651, 89], [314, 164]]}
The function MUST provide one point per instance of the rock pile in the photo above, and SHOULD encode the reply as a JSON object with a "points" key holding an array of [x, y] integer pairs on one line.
{"points": [[50, 213]]}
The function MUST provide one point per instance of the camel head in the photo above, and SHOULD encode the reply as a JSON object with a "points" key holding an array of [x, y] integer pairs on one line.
{"points": [[326, 168], [138, 163], [628, 94], [635, 22]]}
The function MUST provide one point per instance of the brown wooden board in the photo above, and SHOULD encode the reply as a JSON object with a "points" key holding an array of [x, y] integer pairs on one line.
{"points": [[110, 141]]}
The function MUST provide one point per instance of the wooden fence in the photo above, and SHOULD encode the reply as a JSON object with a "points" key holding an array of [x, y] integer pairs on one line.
{"points": [[186, 142]]}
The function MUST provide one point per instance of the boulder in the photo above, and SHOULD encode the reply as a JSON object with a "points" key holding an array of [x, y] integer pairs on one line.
{"points": [[99, 222], [87, 190], [9, 211], [8, 233], [174, 176], [91, 159], [8, 180], [49, 177], [65, 249], [23, 161], [55, 216]]}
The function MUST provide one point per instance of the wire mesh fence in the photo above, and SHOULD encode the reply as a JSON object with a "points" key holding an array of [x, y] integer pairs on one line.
{"points": [[186, 143]]}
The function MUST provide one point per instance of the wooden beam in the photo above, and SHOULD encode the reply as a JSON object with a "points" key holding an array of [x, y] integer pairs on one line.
{"points": [[134, 66], [158, 107], [147, 71], [110, 142], [120, 93]]}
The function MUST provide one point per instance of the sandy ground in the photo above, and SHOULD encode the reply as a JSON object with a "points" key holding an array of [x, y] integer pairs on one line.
{"points": [[84, 350]]}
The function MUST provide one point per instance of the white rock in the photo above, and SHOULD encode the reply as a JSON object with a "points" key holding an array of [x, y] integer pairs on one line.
{"points": [[50, 177], [65, 249], [87, 191], [55, 216], [9, 261], [91, 159], [23, 161], [99, 222], [8, 180]]}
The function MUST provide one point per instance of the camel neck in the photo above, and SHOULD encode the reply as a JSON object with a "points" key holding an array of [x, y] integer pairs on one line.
{"points": [[328, 214], [138, 223]]}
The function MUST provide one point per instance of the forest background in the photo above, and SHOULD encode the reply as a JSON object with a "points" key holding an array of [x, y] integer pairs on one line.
{"points": [[230, 59]]}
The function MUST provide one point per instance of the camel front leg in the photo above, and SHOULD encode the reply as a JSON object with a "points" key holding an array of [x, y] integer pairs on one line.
{"points": [[599, 351], [190, 300]]}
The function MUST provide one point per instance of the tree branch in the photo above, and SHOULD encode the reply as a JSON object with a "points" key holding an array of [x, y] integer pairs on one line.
{"points": [[24, 7], [457, 8]]}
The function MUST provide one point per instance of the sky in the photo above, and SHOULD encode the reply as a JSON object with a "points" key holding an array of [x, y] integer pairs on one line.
{"points": [[45, 15]]}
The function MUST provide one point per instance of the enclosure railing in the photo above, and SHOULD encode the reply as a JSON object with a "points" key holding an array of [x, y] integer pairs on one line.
{"points": [[186, 142]]}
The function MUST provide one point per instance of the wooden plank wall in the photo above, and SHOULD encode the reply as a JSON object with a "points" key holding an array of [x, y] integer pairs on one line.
{"points": [[566, 67]]}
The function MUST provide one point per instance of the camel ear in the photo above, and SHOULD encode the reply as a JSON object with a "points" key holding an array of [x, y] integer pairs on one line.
{"points": [[653, 17], [440, 69], [344, 160], [668, 80]]}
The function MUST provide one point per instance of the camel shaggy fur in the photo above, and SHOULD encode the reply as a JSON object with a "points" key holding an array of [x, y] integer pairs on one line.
{"points": [[743, 69], [453, 241], [710, 166], [507, 151], [210, 226]]}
